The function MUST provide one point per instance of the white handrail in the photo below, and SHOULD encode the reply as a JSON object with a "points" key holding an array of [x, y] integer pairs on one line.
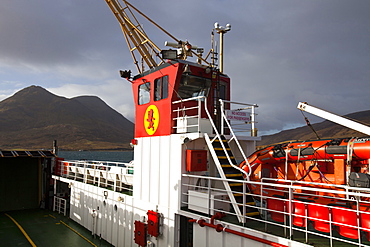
{"points": [[293, 194], [117, 175], [233, 134], [203, 99]]}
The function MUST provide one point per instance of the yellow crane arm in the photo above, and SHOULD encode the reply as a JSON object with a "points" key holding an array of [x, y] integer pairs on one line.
{"points": [[137, 40]]}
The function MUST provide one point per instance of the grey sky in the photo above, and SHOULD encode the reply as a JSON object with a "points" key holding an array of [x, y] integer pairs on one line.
{"points": [[278, 52]]}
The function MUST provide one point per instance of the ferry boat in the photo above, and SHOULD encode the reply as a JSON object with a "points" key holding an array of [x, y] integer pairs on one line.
{"points": [[196, 179]]}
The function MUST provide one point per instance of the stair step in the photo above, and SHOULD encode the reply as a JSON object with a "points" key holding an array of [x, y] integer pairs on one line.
{"points": [[223, 162], [223, 153], [222, 139], [225, 157], [235, 184], [233, 175], [221, 149], [248, 200], [253, 213]]}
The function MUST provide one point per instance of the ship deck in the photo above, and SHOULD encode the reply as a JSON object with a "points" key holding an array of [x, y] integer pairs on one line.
{"points": [[38, 227]]}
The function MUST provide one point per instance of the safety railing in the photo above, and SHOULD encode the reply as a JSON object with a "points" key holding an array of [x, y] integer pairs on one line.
{"points": [[194, 123], [115, 176], [240, 118], [189, 118], [319, 213], [244, 114], [182, 120], [60, 205]]}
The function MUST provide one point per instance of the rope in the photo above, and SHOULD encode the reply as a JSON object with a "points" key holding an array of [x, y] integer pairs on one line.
{"points": [[308, 171], [309, 125], [299, 157], [322, 175]]}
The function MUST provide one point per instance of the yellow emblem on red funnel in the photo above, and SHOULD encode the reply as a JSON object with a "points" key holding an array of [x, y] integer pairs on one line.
{"points": [[151, 119]]}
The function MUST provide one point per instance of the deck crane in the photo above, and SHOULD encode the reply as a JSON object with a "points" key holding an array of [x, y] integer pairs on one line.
{"points": [[139, 43], [303, 106]]}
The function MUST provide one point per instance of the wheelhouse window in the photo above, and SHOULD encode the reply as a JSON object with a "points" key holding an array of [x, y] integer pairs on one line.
{"points": [[144, 93], [193, 86], [161, 88]]}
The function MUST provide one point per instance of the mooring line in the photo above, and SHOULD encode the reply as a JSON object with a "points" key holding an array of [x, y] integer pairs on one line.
{"points": [[22, 230], [79, 234]]}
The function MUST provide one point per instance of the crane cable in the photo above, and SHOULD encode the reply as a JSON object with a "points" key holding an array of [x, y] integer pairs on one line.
{"points": [[309, 125]]}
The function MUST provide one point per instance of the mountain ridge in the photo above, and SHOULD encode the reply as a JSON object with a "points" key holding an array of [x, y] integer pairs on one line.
{"points": [[325, 129], [33, 117]]}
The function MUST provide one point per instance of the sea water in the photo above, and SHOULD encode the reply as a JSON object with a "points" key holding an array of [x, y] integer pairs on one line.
{"points": [[118, 156]]}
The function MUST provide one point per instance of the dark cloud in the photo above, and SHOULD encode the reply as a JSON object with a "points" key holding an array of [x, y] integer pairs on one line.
{"points": [[278, 52]]}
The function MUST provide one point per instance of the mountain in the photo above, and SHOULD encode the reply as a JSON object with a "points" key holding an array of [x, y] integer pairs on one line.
{"points": [[33, 117], [325, 130]]}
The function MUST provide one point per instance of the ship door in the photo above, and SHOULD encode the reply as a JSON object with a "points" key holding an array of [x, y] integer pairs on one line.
{"points": [[221, 91], [185, 237]]}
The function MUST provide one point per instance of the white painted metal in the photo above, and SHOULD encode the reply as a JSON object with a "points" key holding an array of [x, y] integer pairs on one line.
{"points": [[201, 201], [60, 205], [160, 182], [334, 118], [116, 225]]}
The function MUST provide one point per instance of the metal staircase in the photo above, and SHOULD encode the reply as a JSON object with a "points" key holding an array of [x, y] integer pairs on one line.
{"points": [[228, 168], [223, 157]]}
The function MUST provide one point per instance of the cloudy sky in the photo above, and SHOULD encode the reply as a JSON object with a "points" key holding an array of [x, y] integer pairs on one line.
{"points": [[278, 52]]}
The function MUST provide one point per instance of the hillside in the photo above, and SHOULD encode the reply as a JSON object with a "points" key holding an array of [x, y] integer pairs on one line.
{"points": [[33, 117], [325, 129]]}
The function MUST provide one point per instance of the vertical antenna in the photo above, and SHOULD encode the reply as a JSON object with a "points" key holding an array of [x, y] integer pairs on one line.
{"points": [[222, 30]]}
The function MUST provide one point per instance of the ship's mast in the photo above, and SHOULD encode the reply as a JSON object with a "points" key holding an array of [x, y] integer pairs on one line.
{"points": [[222, 30]]}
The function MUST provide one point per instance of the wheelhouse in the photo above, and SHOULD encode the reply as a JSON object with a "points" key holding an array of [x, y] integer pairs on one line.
{"points": [[161, 93]]}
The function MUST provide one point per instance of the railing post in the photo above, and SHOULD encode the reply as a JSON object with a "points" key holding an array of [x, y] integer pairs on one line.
{"points": [[253, 121], [290, 213], [65, 207], [106, 176], [114, 177], [221, 118], [261, 205], [306, 221], [358, 220], [199, 113], [99, 175], [209, 197], [244, 203], [75, 171], [330, 227], [85, 174]]}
